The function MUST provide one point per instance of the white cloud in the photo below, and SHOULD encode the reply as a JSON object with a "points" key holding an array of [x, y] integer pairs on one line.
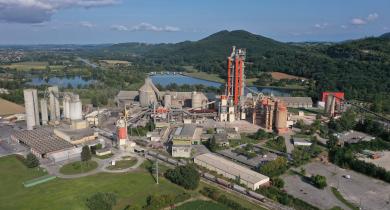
{"points": [[151, 27], [119, 28], [343, 26], [363, 21], [372, 17], [37, 11], [358, 21], [321, 25], [87, 24]]}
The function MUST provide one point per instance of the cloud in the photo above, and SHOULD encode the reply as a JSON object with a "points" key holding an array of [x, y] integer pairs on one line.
{"points": [[87, 24], [358, 21], [119, 28], [321, 25], [37, 11], [343, 26], [372, 17], [150, 27], [145, 27], [363, 21]]}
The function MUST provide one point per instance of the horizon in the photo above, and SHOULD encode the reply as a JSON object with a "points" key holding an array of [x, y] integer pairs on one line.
{"points": [[82, 22]]}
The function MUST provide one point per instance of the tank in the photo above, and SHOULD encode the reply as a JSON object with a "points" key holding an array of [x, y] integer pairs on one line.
{"points": [[223, 182], [256, 196], [152, 153], [162, 157], [172, 161], [239, 188], [31, 108], [209, 176], [45, 116], [196, 100], [167, 101]]}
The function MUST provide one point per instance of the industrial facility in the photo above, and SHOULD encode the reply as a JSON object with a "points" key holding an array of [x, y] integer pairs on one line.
{"points": [[231, 170]]}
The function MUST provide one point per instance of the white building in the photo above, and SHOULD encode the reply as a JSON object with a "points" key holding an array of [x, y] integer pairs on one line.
{"points": [[231, 170]]}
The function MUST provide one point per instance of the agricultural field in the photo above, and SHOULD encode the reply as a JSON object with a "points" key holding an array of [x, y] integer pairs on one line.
{"points": [[114, 62], [279, 75], [26, 66]]}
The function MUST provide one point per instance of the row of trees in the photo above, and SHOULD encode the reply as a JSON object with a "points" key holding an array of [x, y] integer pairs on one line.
{"points": [[217, 196]]}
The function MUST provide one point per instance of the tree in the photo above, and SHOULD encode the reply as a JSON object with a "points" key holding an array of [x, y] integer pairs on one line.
{"points": [[31, 161], [101, 201], [278, 182], [186, 176], [319, 181], [275, 167], [213, 146], [86, 153]]}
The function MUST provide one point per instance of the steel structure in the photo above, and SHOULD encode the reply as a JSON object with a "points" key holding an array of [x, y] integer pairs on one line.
{"points": [[235, 75]]}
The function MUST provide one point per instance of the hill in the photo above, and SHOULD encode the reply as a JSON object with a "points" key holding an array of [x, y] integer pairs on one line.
{"points": [[386, 35], [358, 67]]}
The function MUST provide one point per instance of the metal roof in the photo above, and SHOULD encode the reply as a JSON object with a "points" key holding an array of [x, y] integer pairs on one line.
{"points": [[127, 95], [232, 168], [42, 140]]}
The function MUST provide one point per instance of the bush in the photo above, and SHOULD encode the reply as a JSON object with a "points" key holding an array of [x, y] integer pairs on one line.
{"points": [[319, 181], [274, 168], [101, 201], [277, 182], [31, 161], [185, 176], [96, 147], [215, 195]]}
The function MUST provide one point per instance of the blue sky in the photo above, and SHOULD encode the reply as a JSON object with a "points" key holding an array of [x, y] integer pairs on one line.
{"points": [[155, 21]]}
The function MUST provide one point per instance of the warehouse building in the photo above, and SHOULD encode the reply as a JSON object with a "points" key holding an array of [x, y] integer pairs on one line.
{"points": [[231, 170], [183, 138], [42, 142]]}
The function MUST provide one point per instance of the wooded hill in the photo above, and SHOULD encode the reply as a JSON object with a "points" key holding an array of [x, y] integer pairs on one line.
{"points": [[360, 67]]}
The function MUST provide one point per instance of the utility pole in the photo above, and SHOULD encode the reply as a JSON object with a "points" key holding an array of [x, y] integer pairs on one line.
{"points": [[156, 171]]}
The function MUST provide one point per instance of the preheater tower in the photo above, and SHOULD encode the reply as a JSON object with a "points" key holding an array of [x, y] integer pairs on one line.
{"points": [[235, 75]]}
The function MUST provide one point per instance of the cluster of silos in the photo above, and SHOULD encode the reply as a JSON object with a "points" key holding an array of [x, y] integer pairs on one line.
{"points": [[31, 107], [72, 107]]}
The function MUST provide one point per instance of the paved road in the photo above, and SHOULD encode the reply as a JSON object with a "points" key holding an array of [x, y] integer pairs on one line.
{"points": [[53, 168]]}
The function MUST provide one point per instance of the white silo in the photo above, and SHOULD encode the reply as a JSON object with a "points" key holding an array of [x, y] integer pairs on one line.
{"points": [[54, 103], [31, 107], [167, 101], [66, 106], [196, 100], [76, 108], [45, 117]]}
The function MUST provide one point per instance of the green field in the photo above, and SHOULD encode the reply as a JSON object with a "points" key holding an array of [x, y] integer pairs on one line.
{"points": [[123, 164], [202, 205], [78, 167], [70, 194], [24, 66], [192, 72]]}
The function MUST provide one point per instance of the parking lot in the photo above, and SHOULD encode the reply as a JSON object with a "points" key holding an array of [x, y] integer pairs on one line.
{"points": [[383, 161], [369, 193]]}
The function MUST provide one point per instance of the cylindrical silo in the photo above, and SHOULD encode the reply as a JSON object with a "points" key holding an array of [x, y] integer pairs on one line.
{"points": [[147, 94], [45, 117], [281, 118], [196, 100], [31, 107], [121, 131], [66, 106], [76, 108], [54, 103], [167, 101]]}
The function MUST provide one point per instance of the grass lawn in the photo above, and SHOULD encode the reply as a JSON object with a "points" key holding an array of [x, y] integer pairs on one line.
{"points": [[103, 156], [70, 194], [123, 164], [78, 167], [342, 199], [202, 205]]}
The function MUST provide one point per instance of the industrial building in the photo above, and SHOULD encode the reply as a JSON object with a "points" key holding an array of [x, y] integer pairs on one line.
{"points": [[231, 170], [297, 102], [271, 114], [183, 138], [41, 141], [334, 103], [76, 136]]}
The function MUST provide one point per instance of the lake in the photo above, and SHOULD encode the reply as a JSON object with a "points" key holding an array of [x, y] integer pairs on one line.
{"points": [[61, 81], [166, 79]]}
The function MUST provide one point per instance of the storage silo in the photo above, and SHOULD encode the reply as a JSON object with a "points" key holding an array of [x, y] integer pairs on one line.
{"points": [[147, 95], [167, 101], [44, 114], [281, 118], [66, 106], [121, 131], [31, 107], [54, 103], [76, 108], [196, 100]]}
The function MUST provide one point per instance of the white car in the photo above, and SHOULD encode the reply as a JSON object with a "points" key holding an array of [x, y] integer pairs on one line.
{"points": [[347, 176]]}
